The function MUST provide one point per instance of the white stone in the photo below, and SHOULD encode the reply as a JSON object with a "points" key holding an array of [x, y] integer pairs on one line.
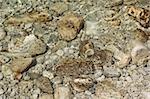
{"points": [[48, 74]]}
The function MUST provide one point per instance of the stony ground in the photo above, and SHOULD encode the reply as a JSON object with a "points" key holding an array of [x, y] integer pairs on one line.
{"points": [[74, 49]]}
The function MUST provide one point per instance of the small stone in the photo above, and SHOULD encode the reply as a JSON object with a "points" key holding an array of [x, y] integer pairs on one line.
{"points": [[48, 74], [44, 84], [20, 64], [69, 26], [2, 34], [60, 53], [62, 92]]}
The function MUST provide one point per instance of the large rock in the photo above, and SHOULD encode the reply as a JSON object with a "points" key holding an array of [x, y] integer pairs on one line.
{"points": [[69, 26]]}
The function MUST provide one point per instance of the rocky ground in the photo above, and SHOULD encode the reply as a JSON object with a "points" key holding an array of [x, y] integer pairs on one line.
{"points": [[74, 49]]}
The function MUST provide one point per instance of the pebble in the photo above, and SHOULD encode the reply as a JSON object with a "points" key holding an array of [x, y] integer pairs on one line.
{"points": [[48, 74], [60, 53], [62, 92], [70, 25], [111, 72]]}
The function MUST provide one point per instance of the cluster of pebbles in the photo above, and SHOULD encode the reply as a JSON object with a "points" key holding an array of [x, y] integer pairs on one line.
{"points": [[80, 49]]}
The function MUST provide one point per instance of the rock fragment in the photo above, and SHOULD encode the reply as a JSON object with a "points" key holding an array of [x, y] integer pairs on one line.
{"points": [[62, 92], [30, 44], [69, 26], [44, 84], [20, 64]]}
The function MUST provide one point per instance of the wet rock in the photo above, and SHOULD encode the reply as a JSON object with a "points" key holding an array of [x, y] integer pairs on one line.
{"points": [[69, 26], [44, 84], [81, 84], [86, 48], [62, 92]]}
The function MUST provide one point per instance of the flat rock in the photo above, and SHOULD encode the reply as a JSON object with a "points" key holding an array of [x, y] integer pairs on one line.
{"points": [[20, 64]]}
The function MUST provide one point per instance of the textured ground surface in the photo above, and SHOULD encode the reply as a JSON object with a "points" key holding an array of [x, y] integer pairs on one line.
{"points": [[45, 56]]}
